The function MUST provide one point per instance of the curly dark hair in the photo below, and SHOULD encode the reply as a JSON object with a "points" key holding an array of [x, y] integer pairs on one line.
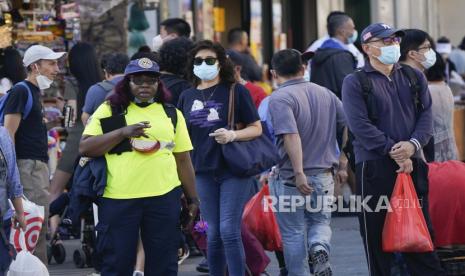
{"points": [[122, 96], [150, 55], [174, 54], [226, 67]]}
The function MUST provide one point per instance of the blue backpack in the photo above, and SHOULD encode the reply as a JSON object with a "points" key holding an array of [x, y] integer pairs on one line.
{"points": [[27, 107]]}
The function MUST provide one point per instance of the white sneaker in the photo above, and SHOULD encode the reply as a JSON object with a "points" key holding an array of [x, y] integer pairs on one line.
{"points": [[184, 255], [138, 273]]}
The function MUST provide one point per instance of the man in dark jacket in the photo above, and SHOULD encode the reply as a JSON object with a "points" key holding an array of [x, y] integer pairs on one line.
{"points": [[333, 60], [388, 144]]}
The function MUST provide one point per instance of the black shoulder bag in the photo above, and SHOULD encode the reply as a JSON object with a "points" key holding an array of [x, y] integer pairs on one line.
{"points": [[248, 158]]}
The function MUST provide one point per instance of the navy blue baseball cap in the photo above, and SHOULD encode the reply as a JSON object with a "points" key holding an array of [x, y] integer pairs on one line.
{"points": [[142, 65], [379, 30]]}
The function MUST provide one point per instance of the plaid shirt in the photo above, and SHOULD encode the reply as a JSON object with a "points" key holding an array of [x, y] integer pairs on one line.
{"points": [[10, 186]]}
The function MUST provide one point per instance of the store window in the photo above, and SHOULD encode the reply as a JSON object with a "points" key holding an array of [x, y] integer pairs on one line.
{"points": [[256, 30], [279, 37]]}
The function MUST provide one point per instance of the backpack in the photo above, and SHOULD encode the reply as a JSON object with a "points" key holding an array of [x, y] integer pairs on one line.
{"points": [[27, 106], [172, 82], [106, 85], [369, 99]]}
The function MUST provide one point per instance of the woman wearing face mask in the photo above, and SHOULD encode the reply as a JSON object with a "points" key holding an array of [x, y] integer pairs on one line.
{"points": [[417, 51], [223, 195], [445, 147], [147, 160]]}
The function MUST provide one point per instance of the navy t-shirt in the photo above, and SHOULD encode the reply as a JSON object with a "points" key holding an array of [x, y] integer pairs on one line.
{"points": [[31, 140], [206, 111]]}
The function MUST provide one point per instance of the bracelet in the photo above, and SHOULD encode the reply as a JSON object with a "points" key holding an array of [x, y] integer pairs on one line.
{"points": [[193, 200]]}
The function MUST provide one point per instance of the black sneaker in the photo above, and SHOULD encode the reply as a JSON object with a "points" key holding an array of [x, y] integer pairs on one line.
{"points": [[203, 266], [320, 261], [195, 252], [283, 271]]}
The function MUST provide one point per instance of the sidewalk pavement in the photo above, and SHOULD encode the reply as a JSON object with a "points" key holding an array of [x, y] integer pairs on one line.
{"points": [[347, 255]]}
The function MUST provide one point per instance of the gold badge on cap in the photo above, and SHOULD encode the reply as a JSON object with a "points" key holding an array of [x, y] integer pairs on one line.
{"points": [[145, 63]]}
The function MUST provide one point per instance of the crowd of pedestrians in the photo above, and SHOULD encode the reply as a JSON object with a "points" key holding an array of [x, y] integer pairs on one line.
{"points": [[160, 121]]}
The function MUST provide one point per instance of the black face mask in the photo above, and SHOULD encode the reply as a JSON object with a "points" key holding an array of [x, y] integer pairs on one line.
{"points": [[143, 104]]}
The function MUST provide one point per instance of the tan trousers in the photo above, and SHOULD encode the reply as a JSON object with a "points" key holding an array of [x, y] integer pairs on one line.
{"points": [[36, 181]]}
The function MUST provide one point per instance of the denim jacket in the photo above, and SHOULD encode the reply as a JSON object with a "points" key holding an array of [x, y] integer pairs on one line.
{"points": [[10, 186]]}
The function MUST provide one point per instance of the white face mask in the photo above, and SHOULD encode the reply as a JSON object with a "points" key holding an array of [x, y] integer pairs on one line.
{"points": [[42, 81], [157, 42], [430, 59], [307, 75], [206, 72]]}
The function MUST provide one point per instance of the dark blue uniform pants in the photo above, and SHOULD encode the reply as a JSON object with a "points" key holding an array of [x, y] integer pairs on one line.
{"points": [[157, 219]]}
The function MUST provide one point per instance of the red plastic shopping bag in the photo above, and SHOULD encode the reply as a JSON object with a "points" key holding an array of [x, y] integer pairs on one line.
{"points": [[262, 223], [405, 228]]}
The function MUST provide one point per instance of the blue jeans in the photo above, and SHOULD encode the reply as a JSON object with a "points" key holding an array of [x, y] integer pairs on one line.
{"points": [[301, 229], [223, 197]]}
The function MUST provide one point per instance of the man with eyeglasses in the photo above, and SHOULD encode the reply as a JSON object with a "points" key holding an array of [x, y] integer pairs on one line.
{"points": [[390, 125]]}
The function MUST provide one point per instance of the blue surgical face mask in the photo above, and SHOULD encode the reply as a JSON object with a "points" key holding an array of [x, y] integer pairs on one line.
{"points": [[389, 54], [353, 37], [206, 72]]}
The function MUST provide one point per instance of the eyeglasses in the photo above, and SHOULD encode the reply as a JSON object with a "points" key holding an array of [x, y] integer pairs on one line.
{"points": [[139, 80], [389, 40], [427, 48], [208, 60]]}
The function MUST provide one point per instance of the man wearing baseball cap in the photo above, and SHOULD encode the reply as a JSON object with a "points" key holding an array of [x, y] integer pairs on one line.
{"points": [[390, 118], [24, 121]]}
